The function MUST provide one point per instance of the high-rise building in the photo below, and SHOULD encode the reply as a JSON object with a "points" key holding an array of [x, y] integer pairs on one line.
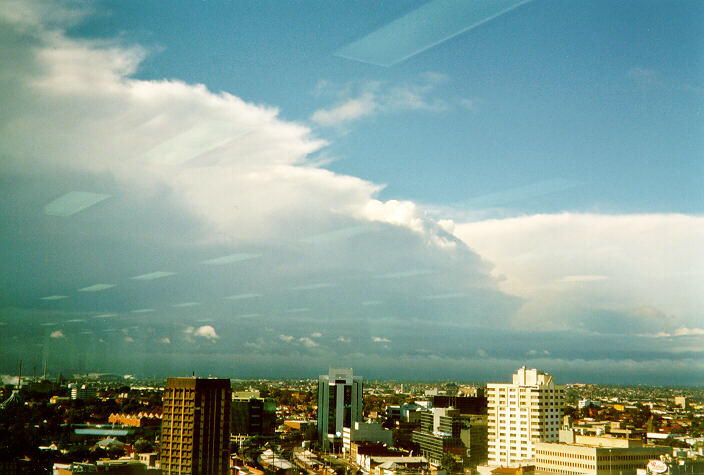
{"points": [[339, 404], [253, 416], [195, 426], [522, 414]]}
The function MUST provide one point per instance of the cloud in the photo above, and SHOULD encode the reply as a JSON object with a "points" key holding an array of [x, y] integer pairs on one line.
{"points": [[57, 334], [351, 109], [378, 339], [537, 352], [679, 332], [316, 335], [342, 339], [207, 332], [286, 338], [307, 342], [365, 99], [652, 263], [166, 340]]}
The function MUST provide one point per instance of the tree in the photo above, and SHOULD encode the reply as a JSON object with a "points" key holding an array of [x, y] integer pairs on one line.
{"points": [[450, 463]]}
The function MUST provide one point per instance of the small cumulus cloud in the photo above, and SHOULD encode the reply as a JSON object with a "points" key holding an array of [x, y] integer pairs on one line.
{"points": [[57, 334], [308, 342], [379, 339], [481, 353], [165, 340], [286, 338], [342, 339], [207, 332], [129, 339], [316, 335]]}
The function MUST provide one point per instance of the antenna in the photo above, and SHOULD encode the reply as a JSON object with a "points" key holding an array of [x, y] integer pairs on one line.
{"points": [[19, 378]]}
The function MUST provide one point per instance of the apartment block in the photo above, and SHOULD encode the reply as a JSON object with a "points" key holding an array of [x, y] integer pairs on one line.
{"points": [[521, 414]]}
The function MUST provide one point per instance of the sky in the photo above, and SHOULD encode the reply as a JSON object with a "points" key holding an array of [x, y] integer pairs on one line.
{"points": [[416, 189]]}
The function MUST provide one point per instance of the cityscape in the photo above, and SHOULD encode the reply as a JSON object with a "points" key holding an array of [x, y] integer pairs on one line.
{"points": [[341, 423], [333, 237]]}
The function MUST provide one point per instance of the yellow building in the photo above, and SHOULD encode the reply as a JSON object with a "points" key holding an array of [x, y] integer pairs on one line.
{"points": [[595, 455], [521, 414]]}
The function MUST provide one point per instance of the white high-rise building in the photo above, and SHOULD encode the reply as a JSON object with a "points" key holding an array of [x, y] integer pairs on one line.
{"points": [[339, 404], [522, 414]]}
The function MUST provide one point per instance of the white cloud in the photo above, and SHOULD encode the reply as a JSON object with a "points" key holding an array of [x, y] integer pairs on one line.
{"points": [[129, 339], [342, 339], [316, 335], [308, 342], [165, 340], [378, 339], [651, 261], [365, 99], [57, 334], [682, 331], [207, 332], [286, 338], [351, 109], [679, 332]]}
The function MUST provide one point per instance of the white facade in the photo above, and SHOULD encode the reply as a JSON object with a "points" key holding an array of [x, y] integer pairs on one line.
{"points": [[521, 414]]}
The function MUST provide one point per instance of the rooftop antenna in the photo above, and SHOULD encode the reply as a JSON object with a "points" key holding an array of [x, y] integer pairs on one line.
{"points": [[19, 378]]}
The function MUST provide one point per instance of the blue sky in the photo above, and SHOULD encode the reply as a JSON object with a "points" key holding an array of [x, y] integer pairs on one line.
{"points": [[194, 184]]}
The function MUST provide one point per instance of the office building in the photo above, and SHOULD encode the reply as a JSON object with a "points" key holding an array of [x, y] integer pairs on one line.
{"points": [[339, 404], [595, 455], [252, 416], [195, 426], [82, 391], [521, 414]]}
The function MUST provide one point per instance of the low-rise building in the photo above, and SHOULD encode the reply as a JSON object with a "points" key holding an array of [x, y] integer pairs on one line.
{"points": [[365, 432], [595, 455]]}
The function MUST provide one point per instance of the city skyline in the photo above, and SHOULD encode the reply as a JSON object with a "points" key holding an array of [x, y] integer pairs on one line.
{"points": [[243, 189]]}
